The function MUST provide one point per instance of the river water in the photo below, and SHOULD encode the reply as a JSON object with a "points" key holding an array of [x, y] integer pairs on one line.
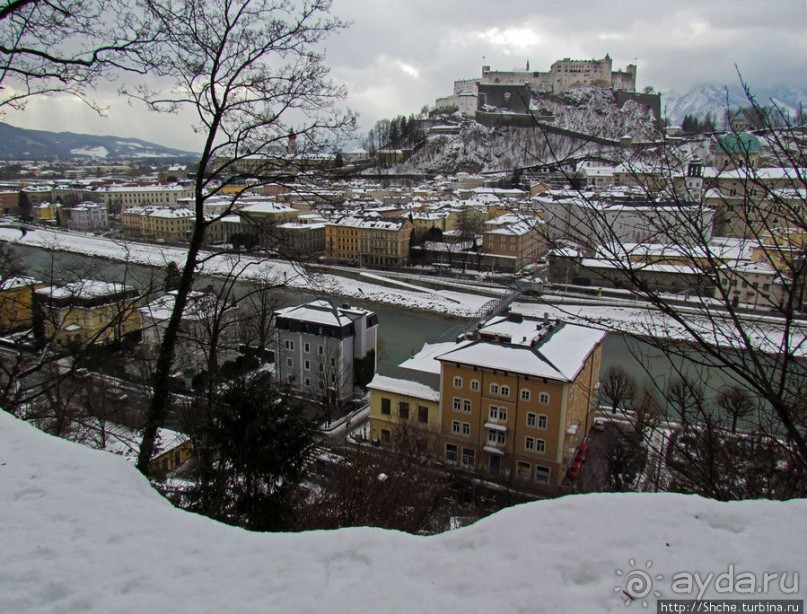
{"points": [[401, 332]]}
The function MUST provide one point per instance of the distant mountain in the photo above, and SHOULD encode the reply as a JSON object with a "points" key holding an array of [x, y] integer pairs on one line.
{"points": [[711, 98], [23, 144]]}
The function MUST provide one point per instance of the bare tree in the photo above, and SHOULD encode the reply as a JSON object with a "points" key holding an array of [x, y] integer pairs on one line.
{"points": [[250, 71], [394, 487], [720, 314], [49, 46], [618, 387]]}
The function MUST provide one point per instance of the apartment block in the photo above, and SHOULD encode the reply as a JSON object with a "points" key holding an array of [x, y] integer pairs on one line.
{"points": [[320, 344], [516, 397], [368, 240]]}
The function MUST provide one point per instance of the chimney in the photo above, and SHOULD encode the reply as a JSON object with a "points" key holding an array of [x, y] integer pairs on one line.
{"points": [[546, 317]]}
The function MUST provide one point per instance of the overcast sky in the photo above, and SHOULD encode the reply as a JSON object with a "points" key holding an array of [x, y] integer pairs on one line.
{"points": [[401, 54]]}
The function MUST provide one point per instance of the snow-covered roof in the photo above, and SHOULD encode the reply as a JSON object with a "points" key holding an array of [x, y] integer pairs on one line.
{"points": [[555, 350], [12, 283], [426, 359], [322, 312], [87, 288], [378, 223], [405, 387]]}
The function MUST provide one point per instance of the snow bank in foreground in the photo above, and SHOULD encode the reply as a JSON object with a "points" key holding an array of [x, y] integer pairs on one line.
{"points": [[82, 531]]}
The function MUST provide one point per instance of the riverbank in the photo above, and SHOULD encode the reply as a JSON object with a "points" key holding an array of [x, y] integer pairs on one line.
{"points": [[450, 303], [373, 288]]}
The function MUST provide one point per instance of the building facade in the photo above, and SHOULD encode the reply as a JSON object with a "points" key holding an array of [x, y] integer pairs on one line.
{"points": [[86, 312], [87, 217], [16, 298], [319, 346], [369, 241], [516, 398]]}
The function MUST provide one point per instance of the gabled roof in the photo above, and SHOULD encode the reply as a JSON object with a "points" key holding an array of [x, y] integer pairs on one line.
{"points": [[527, 346]]}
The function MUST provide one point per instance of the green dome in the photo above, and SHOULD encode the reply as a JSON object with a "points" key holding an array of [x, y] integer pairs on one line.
{"points": [[743, 143]]}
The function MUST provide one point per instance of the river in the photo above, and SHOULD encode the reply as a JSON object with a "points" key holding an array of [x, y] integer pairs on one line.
{"points": [[401, 332]]}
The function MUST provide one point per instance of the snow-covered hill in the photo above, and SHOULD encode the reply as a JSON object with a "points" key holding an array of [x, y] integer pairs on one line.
{"points": [[589, 111], [23, 144], [711, 98], [81, 531]]}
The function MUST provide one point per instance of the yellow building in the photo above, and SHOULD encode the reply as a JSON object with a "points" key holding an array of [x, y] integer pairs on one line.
{"points": [[518, 397], [87, 312], [512, 241], [408, 397], [515, 399], [158, 224], [368, 241], [16, 302], [46, 213], [402, 403]]}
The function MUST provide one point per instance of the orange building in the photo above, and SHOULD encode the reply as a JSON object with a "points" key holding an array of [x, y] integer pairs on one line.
{"points": [[518, 397]]}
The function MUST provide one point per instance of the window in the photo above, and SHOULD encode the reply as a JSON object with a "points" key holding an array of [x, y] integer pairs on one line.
{"points": [[288, 344], [475, 385], [497, 437], [456, 426], [494, 389], [543, 422], [532, 419], [386, 406], [468, 458], [525, 394], [333, 361], [423, 414], [289, 362], [543, 398], [403, 410], [457, 382], [523, 470], [307, 365], [529, 444], [505, 391], [498, 414], [386, 436], [541, 474], [540, 446], [451, 453], [307, 382], [306, 347], [466, 406], [466, 429], [320, 350], [457, 404]]}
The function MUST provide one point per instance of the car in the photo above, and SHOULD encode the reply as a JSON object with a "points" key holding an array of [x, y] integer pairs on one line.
{"points": [[574, 470], [582, 453], [599, 424]]}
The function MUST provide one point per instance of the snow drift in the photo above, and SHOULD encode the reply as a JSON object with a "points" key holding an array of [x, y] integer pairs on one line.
{"points": [[83, 531]]}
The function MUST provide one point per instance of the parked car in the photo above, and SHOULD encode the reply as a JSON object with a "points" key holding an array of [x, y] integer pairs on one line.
{"points": [[599, 424]]}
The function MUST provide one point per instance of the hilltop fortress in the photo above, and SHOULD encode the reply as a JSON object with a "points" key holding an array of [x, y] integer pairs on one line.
{"points": [[562, 76], [510, 91]]}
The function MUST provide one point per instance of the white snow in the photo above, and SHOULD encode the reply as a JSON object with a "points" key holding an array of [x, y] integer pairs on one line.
{"points": [[82, 531], [91, 152], [446, 302], [619, 315]]}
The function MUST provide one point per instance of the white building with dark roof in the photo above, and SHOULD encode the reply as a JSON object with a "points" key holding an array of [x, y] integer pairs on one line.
{"points": [[319, 345]]}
